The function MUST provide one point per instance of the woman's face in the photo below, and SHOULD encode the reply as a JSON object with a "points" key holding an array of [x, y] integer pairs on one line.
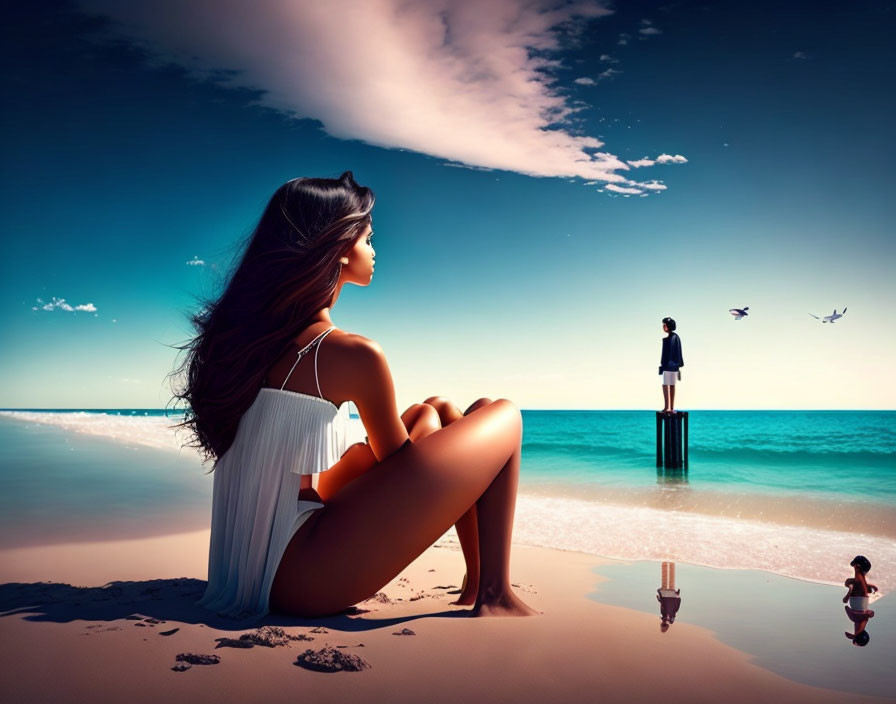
{"points": [[665, 328], [359, 269]]}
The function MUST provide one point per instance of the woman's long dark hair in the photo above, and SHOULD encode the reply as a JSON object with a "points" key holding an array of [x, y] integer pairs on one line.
{"points": [[288, 272]]}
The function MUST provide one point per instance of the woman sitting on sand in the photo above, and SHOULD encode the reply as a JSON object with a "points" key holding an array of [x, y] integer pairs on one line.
{"points": [[267, 384]]}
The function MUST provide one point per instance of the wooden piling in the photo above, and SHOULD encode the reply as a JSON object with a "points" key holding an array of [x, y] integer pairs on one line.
{"points": [[659, 440], [671, 447]]}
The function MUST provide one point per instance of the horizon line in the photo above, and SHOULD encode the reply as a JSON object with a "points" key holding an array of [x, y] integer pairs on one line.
{"points": [[560, 410]]}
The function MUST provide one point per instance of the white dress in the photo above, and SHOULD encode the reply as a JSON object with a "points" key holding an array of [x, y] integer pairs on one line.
{"points": [[255, 505]]}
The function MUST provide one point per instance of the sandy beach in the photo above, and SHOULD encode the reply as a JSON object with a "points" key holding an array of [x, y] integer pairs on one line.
{"points": [[120, 641]]}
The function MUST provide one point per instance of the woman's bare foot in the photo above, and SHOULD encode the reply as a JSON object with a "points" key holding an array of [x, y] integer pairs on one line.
{"points": [[506, 604], [467, 595]]}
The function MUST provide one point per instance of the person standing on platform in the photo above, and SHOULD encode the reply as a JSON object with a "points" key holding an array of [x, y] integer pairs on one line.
{"points": [[671, 363]]}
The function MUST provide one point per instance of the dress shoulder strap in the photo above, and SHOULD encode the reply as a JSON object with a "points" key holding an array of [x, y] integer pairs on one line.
{"points": [[316, 350], [302, 352]]}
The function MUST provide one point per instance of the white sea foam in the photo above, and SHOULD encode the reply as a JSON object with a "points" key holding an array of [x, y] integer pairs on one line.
{"points": [[598, 527], [151, 431], [639, 533]]}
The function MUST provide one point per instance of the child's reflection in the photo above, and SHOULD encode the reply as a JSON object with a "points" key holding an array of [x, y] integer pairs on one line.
{"points": [[856, 600], [668, 596]]}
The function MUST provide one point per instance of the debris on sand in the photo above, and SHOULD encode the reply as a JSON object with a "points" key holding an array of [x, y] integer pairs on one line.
{"points": [[198, 659], [329, 659], [379, 597], [404, 632], [271, 637], [319, 629], [266, 636]]}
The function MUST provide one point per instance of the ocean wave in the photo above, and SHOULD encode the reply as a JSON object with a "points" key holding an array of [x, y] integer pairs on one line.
{"points": [[150, 431]]}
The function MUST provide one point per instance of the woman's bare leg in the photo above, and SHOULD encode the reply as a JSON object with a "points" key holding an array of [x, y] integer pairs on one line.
{"points": [[383, 520], [466, 526]]}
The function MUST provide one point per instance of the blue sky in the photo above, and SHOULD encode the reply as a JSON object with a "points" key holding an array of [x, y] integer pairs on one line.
{"points": [[506, 265]]}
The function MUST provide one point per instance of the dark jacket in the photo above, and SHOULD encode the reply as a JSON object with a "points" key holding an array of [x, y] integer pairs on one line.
{"points": [[671, 361], [669, 606]]}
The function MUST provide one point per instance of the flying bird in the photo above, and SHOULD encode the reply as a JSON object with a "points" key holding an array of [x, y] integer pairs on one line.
{"points": [[739, 313], [830, 318]]}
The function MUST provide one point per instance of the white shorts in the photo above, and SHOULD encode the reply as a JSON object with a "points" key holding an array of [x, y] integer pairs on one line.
{"points": [[858, 603], [669, 378]]}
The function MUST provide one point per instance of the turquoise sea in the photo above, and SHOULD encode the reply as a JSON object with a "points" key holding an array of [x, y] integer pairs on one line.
{"points": [[826, 454]]}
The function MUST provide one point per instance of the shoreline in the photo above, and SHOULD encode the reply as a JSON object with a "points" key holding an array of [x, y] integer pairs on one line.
{"points": [[681, 522], [577, 649]]}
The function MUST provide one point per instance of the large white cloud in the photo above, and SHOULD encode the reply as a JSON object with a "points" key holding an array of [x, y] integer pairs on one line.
{"points": [[465, 80]]}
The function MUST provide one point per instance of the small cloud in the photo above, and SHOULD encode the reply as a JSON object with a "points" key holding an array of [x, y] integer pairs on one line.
{"points": [[609, 59], [646, 22], [669, 159], [652, 185], [623, 39], [585, 81], [623, 189], [638, 163], [591, 183], [196, 261], [60, 304], [800, 55], [648, 31], [609, 73]]}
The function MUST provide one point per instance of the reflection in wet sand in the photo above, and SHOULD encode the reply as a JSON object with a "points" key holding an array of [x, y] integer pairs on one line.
{"points": [[668, 596]]}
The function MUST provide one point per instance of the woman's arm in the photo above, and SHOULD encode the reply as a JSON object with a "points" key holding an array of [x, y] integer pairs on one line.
{"points": [[370, 385]]}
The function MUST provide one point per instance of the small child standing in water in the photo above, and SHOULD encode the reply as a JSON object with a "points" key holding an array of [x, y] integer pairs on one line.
{"points": [[856, 599], [858, 587]]}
